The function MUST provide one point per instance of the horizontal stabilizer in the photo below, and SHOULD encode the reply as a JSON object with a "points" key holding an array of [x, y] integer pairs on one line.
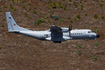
{"points": [[13, 31]]}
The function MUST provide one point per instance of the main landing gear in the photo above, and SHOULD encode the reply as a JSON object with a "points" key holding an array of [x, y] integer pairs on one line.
{"points": [[57, 41]]}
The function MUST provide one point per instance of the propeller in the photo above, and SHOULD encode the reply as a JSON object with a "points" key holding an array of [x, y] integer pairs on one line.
{"points": [[70, 28]]}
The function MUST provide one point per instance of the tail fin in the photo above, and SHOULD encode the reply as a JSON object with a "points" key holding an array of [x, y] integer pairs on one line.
{"points": [[12, 25]]}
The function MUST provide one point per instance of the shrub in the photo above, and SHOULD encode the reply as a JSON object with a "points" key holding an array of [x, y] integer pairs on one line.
{"points": [[88, 55], [95, 16], [26, 14], [81, 8], [61, 6], [41, 15], [73, 3], [29, 8], [24, 6], [49, 21], [80, 1], [85, 26], [14, 9], [46, 17], [12, 1], [75, 19], [34, 11], [5, 6], [39, 21], [79, 52], [3, 19], [22, 1], [43, 3], [61, 20], [2, 25], [29, 3], [17, 0], [69, 4], [71, 21], [85, 14], [96, 43], [102, 17], [55, 17], [53, 4], [11, 6], [97, 0], [49, 7], [0, 47], [78, 16], [64, 8], [0, 10], [95, 30], [69, 9], [52, 12], [35, 22], [76, 6], [21, 11], [86, 39], [34, 7], [70, 0], [101, 5], [30, 16], [59, 3], [79, 46], [104, 65], [68, 17], [94, 58]]}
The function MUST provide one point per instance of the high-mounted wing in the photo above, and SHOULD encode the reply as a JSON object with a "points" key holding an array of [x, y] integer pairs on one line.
{"points": [[54, 28]]}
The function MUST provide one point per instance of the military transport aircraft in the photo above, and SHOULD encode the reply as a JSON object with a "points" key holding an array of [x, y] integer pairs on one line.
{"points": [[55, 34]]}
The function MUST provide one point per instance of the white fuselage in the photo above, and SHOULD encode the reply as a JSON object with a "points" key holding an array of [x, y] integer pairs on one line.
{"points": [[63, 36]]}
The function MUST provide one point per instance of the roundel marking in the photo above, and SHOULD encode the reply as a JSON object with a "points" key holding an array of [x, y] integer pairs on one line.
{"points": [[14, 24]]}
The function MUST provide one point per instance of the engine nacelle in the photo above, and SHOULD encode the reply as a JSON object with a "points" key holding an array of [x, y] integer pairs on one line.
{"points": [[64, 29]]}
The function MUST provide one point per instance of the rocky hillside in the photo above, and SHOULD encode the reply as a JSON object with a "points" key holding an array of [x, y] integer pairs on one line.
{"points": [[20, 52]]}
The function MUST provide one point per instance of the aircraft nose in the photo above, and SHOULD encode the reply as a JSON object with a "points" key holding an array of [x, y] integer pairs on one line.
{"points": [[97, 35]]}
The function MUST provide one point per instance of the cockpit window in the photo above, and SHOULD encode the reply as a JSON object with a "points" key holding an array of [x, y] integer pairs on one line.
{"points": [[90, 32]]}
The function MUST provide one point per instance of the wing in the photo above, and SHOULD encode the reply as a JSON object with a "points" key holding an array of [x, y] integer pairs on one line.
{"points": [[54, 28]]}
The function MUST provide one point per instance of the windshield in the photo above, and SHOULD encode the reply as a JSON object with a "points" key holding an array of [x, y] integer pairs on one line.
{"points": [[90, 32]]}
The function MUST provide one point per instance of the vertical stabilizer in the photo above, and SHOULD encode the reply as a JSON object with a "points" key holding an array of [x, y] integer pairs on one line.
{"points": [[12, 25]]}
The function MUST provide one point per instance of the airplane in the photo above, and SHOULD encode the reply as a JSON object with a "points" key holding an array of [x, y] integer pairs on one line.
{"points": [[55, 33]]}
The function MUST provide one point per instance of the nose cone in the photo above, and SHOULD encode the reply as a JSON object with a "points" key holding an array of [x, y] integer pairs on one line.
{"points": [[97, 35]]}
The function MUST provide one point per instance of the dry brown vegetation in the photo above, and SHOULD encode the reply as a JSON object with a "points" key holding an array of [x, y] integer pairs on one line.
{"points": [[20, 52]]}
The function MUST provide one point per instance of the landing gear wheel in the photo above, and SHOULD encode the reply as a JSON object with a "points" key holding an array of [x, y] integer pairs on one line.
{"points": [[55, 41], [59, 41]]}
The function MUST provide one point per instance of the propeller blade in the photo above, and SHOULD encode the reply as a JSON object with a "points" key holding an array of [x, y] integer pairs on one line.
{"points": [[69, 27]]}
